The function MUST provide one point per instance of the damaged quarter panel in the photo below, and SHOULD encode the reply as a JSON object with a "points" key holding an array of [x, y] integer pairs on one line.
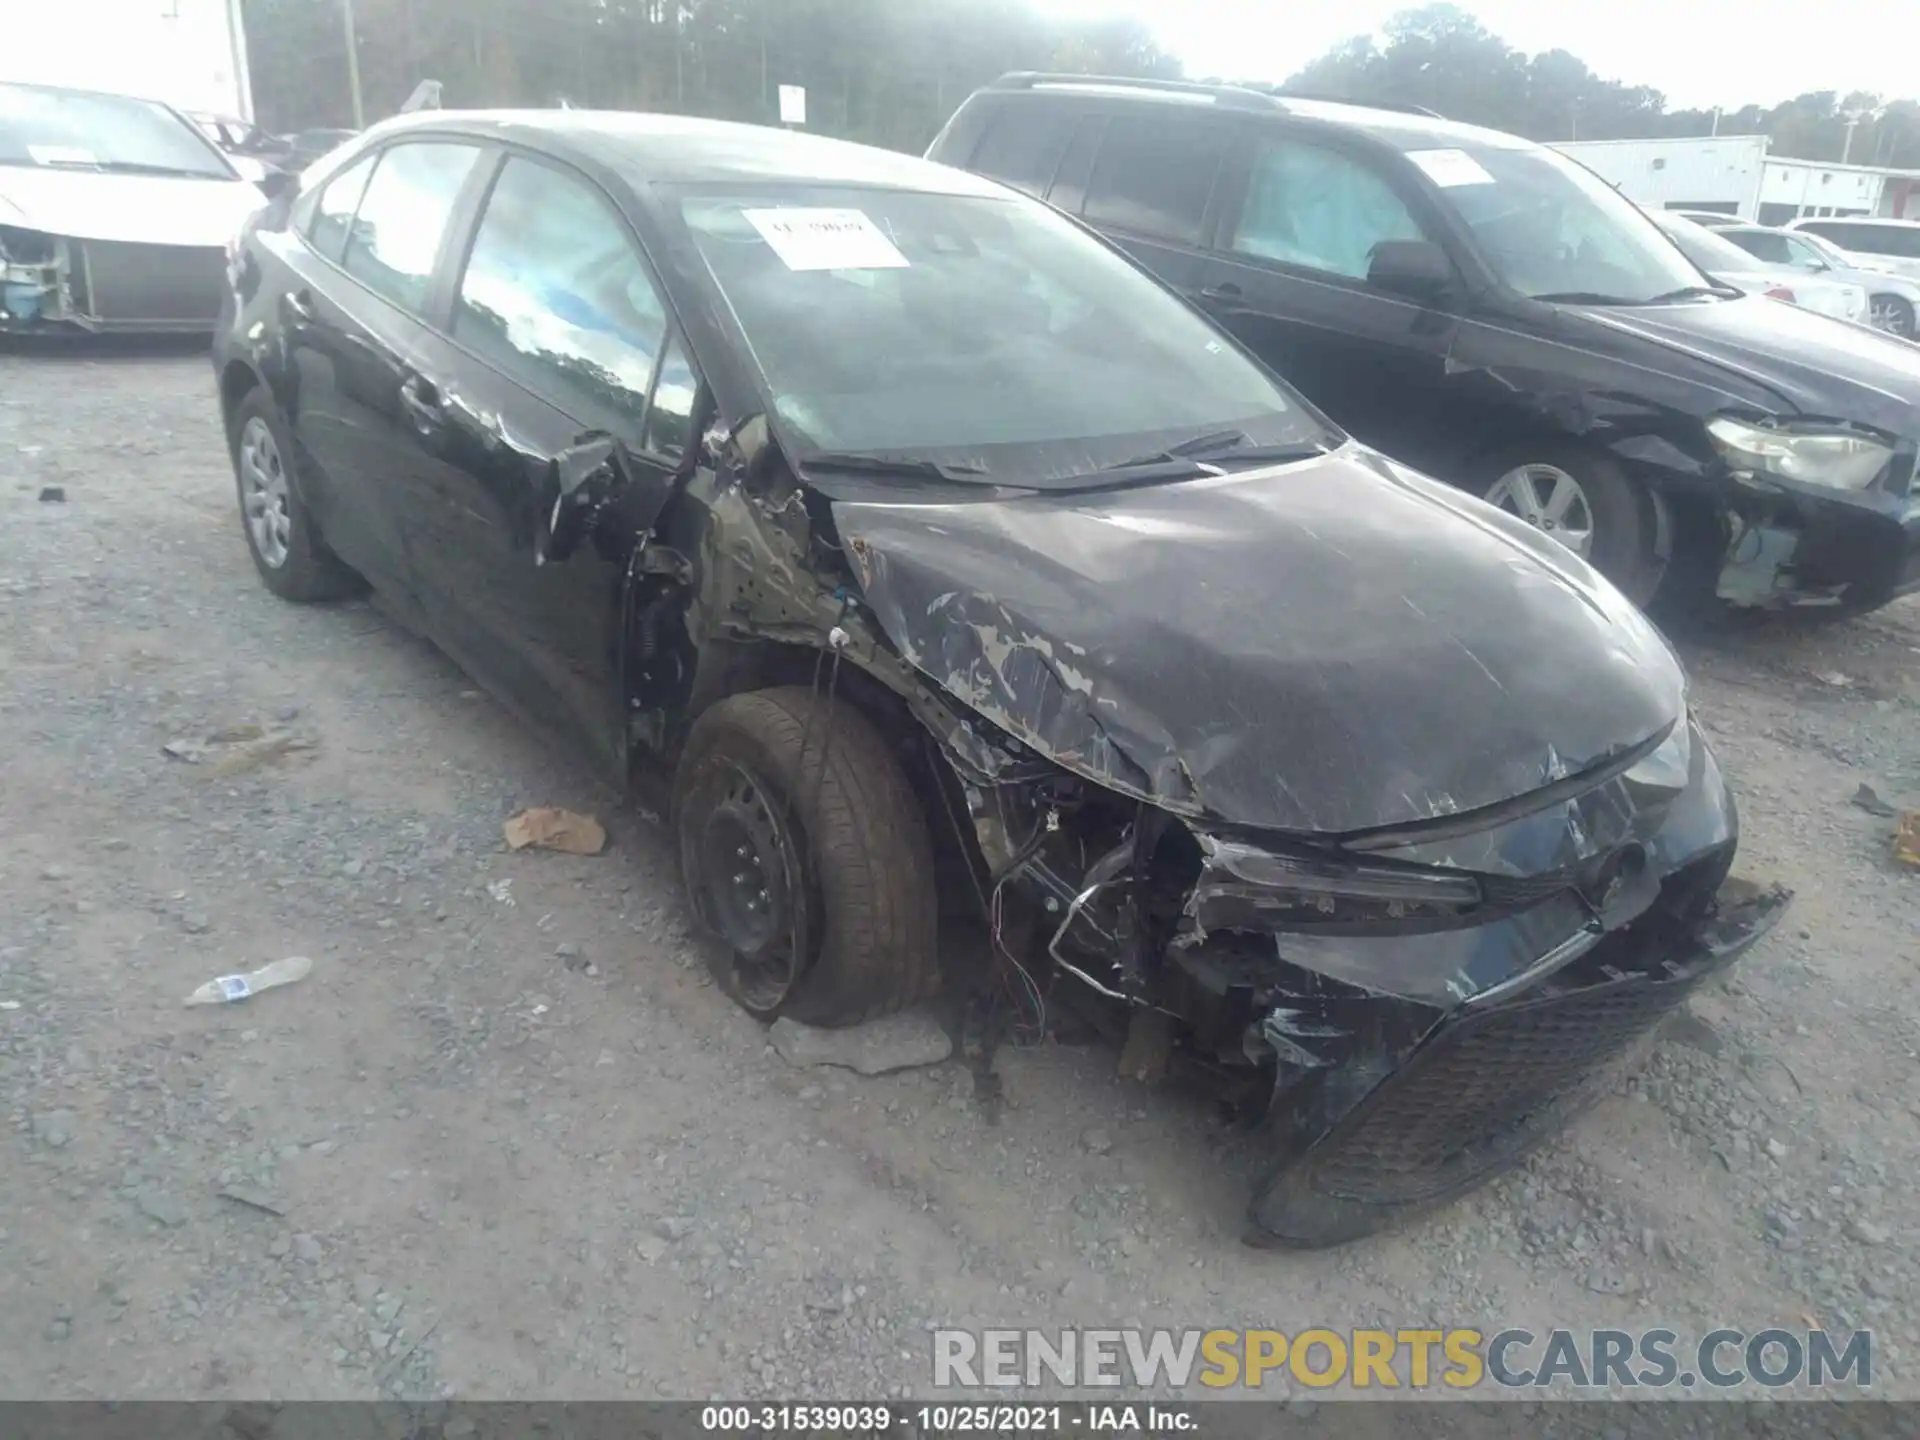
{"points": [[1330, 646]]}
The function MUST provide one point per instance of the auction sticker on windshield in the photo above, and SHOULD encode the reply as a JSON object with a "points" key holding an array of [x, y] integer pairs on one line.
{"points": [[1447, 168], [820, 239]]}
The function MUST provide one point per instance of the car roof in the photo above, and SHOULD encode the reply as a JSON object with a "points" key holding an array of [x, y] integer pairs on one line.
{"points": [[1852, 220], [1403, 128], [652, 148]]}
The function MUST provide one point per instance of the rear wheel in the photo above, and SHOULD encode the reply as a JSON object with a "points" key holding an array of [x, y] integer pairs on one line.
{"points": [[281, 537], [1893, 314], [819, 884], [1586, 503]]}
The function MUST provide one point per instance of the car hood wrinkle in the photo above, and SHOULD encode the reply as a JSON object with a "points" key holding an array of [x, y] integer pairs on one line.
{"points": [[143, 209], [1320, 647], [1819, 366]]}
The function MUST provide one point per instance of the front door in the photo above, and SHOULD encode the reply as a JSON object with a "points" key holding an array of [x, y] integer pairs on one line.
{"points": [[554, 333], [1289, 277]]}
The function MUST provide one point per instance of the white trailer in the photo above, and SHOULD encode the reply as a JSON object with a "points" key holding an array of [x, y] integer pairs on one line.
{"points": [[191, 54], [1707, 172]]}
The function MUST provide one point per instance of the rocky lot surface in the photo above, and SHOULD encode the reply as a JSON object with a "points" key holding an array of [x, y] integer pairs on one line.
{"points": [[507, 1141]]}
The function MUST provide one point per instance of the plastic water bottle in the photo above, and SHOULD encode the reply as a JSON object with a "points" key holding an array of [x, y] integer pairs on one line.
{"points": [[226, 989]]}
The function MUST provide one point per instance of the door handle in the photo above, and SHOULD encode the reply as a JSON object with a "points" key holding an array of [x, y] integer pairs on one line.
{"points": [[1227, 290], [421, 400], [299, 304]]}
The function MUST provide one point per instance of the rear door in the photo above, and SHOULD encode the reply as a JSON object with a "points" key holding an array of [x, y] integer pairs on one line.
{"points": [[356, 325], [1297, 228], [1148, 184], [554, 330]]}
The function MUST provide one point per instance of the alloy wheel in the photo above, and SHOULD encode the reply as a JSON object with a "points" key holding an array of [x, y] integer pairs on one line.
{"points": [[263, 493], [1550, 500], [1892, 314]]}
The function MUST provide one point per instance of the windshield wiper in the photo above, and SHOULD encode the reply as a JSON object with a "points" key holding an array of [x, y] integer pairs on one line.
{"points": [[132, 167], [835, 462], [1694, 292], [1185, 450], [1151, 469], [1585, 297]]}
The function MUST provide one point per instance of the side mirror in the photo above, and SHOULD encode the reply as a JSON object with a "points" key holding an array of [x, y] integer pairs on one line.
{"points": [[581, 479], [275, 184], [1415, 269]]}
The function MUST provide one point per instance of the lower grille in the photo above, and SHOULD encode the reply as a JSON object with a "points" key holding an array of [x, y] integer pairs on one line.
{"points": [[1488, 1087], [125, 283]]}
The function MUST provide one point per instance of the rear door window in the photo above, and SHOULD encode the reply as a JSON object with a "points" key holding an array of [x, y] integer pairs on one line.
{"points": [[1318, 209], [394, 240], [555, 295], [1023, 147], [332, 216], [1155, 174]]}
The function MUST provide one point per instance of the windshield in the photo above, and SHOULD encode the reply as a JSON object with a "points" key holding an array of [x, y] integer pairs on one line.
{"points": [[1550, 227], [983, 333], [1712, 252], [76, 129]]}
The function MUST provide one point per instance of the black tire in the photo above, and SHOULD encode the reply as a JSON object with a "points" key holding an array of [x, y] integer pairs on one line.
{"points": [[1899, 311], [304, 570], [843, 856], [1625, 545]]}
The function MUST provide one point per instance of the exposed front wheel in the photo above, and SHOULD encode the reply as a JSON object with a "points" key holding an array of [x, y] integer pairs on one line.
{"points": [[817, 882], [1586, 503], [1893, 314], [281, 537]]}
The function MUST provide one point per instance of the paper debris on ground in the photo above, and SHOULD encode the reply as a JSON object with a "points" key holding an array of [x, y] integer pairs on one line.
{"points": [[550, 828], [1906, 840], [227, 989]]}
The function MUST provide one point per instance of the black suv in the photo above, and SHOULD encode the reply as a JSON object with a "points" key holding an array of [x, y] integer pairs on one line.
{"points": [[1493, 313]]}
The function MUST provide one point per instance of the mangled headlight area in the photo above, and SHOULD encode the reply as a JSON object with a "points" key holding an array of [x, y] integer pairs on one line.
{"points": [[1244, 887], [29, 276]]}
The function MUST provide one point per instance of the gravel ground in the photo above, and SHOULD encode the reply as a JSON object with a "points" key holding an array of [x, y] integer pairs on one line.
{"points": [[507, 1141]]}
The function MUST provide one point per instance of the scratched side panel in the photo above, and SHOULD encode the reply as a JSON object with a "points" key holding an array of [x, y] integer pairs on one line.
{"points": [[1323, 647]]}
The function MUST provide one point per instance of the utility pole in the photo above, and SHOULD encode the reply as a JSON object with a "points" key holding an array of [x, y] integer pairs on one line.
{"points": [[353, 64], [1846, 147]]}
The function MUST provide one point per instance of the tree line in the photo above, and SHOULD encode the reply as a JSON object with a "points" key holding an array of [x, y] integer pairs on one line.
{"points": [[889, 72]]}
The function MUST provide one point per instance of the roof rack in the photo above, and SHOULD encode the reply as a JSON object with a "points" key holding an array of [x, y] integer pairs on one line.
{"points": [[1395, 105], [1239, 97]]}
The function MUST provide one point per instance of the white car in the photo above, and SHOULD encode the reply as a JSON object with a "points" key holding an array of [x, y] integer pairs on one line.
{"points": [[1895, 243], [1730, 265], [115, 214], [1893, 300]]}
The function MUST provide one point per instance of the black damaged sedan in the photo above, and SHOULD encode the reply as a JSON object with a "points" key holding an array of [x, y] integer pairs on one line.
{"points": [[956, 571]]}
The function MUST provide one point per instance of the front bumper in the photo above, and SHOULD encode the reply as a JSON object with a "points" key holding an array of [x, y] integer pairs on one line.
{"points": [[1486, 1083], [53, 283], [1805, 545]]}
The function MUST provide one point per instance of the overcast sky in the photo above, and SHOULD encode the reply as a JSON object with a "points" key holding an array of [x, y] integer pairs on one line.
{"points": [[1709, 52]]}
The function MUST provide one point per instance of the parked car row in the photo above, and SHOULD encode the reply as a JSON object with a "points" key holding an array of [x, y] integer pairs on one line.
{"points": [[1716, 255], [950, 563], [1885, 261], [1493, 313]]}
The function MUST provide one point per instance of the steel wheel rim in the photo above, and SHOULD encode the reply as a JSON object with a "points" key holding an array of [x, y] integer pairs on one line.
{"points": [[746, 885], [1885, 312], [263, 493], [1550, 500]]}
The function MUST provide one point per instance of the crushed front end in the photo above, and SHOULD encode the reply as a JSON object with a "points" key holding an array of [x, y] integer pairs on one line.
{"points": [[1417, 1007], [52, 282]]}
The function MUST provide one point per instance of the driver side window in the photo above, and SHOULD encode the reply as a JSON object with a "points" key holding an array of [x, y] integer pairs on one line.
{"points": [[1318, 209]]}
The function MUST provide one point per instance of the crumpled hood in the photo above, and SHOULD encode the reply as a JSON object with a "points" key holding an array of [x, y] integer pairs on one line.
{"points": [[1325, 646], [1819, 366], [152, 209]]}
